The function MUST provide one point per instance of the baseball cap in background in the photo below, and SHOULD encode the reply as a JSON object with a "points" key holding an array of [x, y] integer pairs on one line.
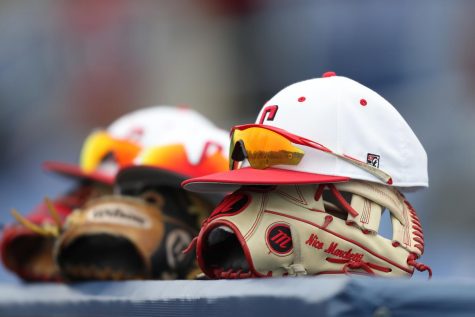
{"points": [[105, 151], [338, 128], [186, 151]]}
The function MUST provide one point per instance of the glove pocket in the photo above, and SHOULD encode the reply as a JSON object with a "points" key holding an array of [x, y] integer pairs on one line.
{"points": [[110, 238]]}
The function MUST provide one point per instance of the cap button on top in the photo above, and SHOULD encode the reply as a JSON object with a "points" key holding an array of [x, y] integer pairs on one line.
{"points": [[328, 74]]}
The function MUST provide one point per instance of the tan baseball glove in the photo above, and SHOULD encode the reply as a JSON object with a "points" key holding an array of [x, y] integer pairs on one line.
{"points": [[124, 237], [310, 230], [26, 247]]}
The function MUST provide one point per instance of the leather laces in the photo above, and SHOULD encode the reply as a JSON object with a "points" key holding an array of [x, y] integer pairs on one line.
{"points": [[352, 264], [411, 260], [47, 229]]}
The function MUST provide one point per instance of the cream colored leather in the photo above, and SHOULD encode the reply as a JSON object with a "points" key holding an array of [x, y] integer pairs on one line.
{"points": [[325, 238]]}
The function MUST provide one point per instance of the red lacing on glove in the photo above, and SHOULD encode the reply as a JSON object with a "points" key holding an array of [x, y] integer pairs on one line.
{"points": [[328, 220], [342, 200], [190, 246], [338, 196], [352, 264], [416, 227], [411, 260]]}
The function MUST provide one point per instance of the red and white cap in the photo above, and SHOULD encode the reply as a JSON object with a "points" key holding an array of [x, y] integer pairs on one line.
{"points": [[104, 152], [347, 118], [189, 149]]}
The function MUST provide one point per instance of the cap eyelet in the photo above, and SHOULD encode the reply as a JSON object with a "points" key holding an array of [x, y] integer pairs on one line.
{"points": [[328, 74]]}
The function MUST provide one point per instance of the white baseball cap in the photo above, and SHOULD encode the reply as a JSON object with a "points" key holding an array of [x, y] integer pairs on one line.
{"points": [[125, 138], [359, 134], [188, 150]]}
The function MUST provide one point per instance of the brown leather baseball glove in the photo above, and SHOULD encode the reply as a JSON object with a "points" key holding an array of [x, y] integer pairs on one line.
{"points": [[132, 237]]}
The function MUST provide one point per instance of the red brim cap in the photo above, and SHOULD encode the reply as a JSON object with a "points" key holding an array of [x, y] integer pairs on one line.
{"points": [[231, 180], [75, 172]]}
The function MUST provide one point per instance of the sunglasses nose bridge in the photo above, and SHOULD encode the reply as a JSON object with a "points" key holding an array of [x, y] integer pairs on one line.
{"points": [[239, 151]]}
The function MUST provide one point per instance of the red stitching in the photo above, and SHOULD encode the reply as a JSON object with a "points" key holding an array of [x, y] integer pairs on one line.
{"points": [[301, 196], [396, 202], [343, 238], [259, 216]]}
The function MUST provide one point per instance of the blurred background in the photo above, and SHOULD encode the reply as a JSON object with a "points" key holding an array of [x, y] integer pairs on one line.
{"points": [[69, 66]]}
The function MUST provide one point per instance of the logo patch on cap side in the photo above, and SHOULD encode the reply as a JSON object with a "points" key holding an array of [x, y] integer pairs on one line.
{"points": [[373, 159]]}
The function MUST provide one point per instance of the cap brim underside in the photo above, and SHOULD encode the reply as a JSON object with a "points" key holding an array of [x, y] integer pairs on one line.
{"points": [[133, 178], [75, 172], [231, 180], [137, 176]]}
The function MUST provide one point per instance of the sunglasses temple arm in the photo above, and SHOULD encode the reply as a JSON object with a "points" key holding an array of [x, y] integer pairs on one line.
{"points": [[385, 177]]}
